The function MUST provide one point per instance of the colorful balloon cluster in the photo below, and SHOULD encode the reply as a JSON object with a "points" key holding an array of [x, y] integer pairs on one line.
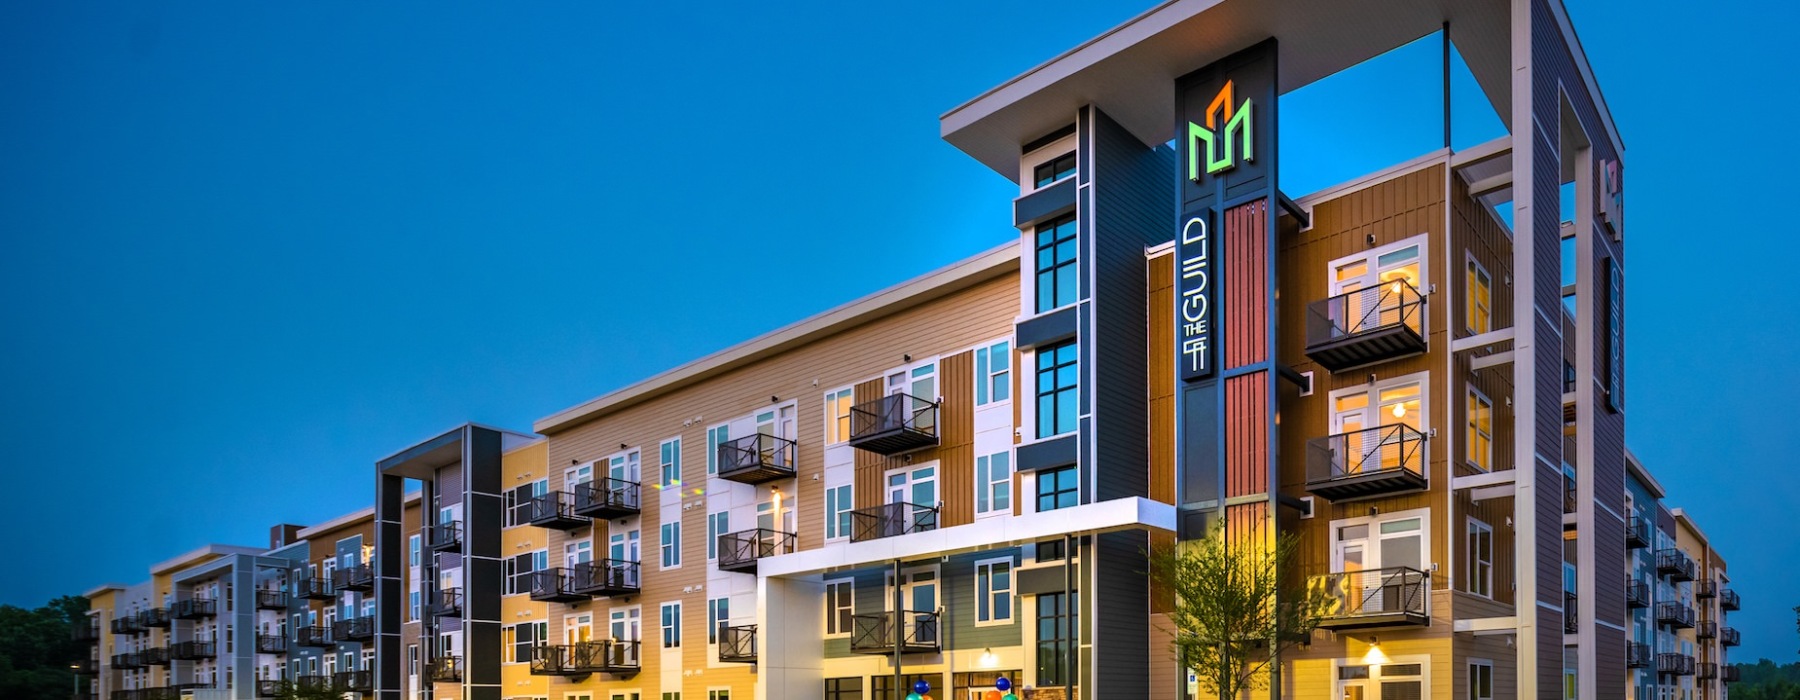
{"points": [[1002, 690], [920, 688]]}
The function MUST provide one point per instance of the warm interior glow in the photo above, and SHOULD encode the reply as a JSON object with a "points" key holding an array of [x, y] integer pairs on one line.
{"points": [[1399, 410], [1374, 657]]}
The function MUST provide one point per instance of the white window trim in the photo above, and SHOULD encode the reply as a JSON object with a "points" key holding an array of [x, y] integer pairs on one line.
{"points": [[1028, 162], [661, 629], [1468, 420], [1423, 241], [1469, 530], [1374, 522], [1012, 572], [1011, 349], [1469, 293], [1423, 379], [661, 541], [1472, 662], [986, 488], [1423, 660], [830, 517], [712, 451], [845, 634], [712, 537], [830, 420]]}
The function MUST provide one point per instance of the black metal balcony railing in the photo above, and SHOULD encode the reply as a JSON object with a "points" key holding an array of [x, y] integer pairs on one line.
{"points": [[757, 459], [555, 510], [193, 608], [314, 636], [608, 498], [87, 667], [354, 578], [193, 651], [1637, 594], [1729, 637], [890, 520], [1675, 614], [271, 600], [447, 602], [740, 551], [1675, 564], [155, 656], [1706, 588], [1390, 597], [85, 631], [1730, 674], [313, 682], [313, 589], [1637, 533], [1571, 613], [1674, 664], [607, 577], [615, 656], [353, 681], [555, 585], [553, 660], [161, 693], [1728, 600], [894, 424], [446, 537], [1367, 462], [127, 624], [271, 644], [1706, 629], [127, 661], [268, 688], [354, 629], [1637, 655], [1706, 671], [1366, 326], [737, 645], [185, 688], [445, 669], [919, 633], [154, 617]]}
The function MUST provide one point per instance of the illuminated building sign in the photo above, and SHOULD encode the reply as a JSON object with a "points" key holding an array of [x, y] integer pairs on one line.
{"points": [[1215, 147], [1194, 309]]}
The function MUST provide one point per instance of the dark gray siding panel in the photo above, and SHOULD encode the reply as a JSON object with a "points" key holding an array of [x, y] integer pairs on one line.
{"points": [[1055, 200], [1121, 615], [1048, 454], [1053, 327]]}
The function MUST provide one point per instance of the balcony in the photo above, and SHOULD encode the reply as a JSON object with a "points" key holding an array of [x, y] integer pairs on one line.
{"points": [[1728, 600], [267, 688], [1570, 500], [446, 537], [1571, 613], [1375, 598], [1675, 615], [757, 459], [355, 578], [1676, 565], [1637, 655], [607, 577], [555, 585], [1637, 595], [194, 651], [894, 424], [1368, 462], [1730, 674], [127, 661], [891, 520], [739, 551], [1637, 533], [1729, 637], [154, 617], [1706, 629], [1674, 664], [445, 669], [737, 645], [313, 589], [354, 681], [615, 656], [315, 636], [271, 600], [553, 660], [1706, 588], [555, 510], [920, 633], [127, 624], [1706, 671], [193, 608], [446, 602], [354, 629], [155, 656], [86, 631], [313, 683], [608, 498], [87, 667], [1366, 326], [271, 644]]}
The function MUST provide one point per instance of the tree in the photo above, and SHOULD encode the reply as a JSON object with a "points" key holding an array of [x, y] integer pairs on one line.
{"points": [[37, 647], [1237, 606]]}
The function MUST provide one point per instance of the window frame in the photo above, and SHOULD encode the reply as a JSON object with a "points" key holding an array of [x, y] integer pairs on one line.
{"points": [[718, 615], [1476, 276], [668, 462], [990, 382], [984, 575], [1488, 675], [670, 624], [718, 523], [668, 544], [1480, 571], [1040, 303], [1050, 164], [985, 485], [1057, 493], [1056, 390], [839, 501], [837, 427], [848, 586], [1471, 399], [716, 435]]}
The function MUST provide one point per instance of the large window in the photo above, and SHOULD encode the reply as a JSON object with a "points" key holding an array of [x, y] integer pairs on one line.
{"points": [[993, 483], [1481, 431], [1057, 273], [839, 607], [671, 625], [837, 416], [844, 688], [412, 547], [715, 437], [716, 524], [1057, 621], [838, 500], [1480, 309], [718, 614], [1056, 386], [521, 639], [1481, 558], [993, 373], [993, 591], [1481, 680], [1057, 488], [671, 544], [518, 569], [1054, 169], [517, 502], [670, 461]]}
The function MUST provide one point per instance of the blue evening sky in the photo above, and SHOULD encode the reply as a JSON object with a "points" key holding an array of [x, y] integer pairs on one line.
{"points": [[249, 248]]}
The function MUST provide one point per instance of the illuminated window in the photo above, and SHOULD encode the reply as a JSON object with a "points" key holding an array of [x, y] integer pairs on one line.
{"points": [[1481, 431], [1481, 299], [837, 416]]}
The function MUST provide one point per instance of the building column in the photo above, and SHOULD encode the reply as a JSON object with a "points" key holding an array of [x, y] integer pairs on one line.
{"points": [[790, 653]]}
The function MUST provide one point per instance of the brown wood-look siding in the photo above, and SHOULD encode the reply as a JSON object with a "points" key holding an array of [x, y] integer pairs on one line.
{"points": [[869, 466], [1246, 435], [955, 452], [1161, 382]]}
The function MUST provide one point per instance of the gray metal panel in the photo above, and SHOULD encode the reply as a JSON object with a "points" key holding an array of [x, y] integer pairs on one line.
{"points": [[1047, 454], [1121, 615], [1041, 580], [1044, 204], [1047, 329]]}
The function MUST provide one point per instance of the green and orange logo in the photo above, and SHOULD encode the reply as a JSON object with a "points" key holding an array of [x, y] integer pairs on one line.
{"points": [[1216, 143]]}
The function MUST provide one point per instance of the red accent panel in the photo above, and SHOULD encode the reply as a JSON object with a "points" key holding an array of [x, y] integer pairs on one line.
{"points": [[1247, 524], [1246, 284], [1247, 434]]}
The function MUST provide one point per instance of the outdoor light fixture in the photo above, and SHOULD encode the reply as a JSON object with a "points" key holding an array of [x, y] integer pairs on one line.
{"points": [[988, 660], [1399, 410], [1374, 657], [774, 399]]}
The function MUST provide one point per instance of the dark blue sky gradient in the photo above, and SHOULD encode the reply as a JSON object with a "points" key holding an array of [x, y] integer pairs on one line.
{"points": [[249, 248]]}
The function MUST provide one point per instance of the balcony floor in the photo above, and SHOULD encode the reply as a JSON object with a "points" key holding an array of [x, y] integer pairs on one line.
{"points": [[1369, 484], [758, 474], [1366, 348], [1375, 621]]}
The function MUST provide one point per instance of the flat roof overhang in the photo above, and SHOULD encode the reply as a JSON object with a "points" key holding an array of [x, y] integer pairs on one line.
{"points": [[1129, 72], [421, 461]]}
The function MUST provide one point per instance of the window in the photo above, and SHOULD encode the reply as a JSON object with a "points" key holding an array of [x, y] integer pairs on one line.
{"points": [[1054, 169], [718, 694], [1057, 488], [1481, 558], [672, 696], [837, 512], [840, 602], [412, 547], [843, 688], [671, 544], [412, 607], [1480, 310], [993, 591], [1056, 385], [517, 502], [1056, 269], [517, 570], [714, 438], [993, 373], [993, 483], [1481, 680], [837, 416], [671, 625], [718, 614], [1057, 620], [1481, 431], [523, 638], [716, 524], [671, 462]]}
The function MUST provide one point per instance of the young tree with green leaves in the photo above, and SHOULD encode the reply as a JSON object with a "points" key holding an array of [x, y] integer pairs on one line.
{"points": [[37, 648]]}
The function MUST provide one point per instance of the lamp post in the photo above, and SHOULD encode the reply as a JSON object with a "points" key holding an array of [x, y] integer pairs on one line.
{"points": [[75, 682]]}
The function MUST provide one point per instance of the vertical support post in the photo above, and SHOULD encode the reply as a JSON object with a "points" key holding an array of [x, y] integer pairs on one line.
{"points": [[1068, 618], [1446, 33], [895, 630]]}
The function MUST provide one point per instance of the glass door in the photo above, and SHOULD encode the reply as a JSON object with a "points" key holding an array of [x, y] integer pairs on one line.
{"points": [[921, 383], [1399, 449], [578, 628], [625, 467], [916, 486], [577, 553], [627, 625], [625, 546], [918, 593]]}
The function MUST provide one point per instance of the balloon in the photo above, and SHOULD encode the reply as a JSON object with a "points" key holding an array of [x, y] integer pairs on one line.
{"points": [[921, 686], [991, 695], [914, 696], [1003, 684], [1010, 696]]}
